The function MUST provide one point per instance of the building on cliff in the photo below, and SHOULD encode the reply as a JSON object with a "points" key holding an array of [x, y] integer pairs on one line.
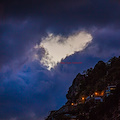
{"points": [[109, 90]]}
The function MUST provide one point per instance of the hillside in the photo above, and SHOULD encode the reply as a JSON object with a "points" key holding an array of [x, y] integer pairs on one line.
{"points": [[95, 94]]}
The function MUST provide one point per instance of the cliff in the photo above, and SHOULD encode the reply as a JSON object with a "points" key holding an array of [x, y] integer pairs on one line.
{"points": [[93, 95]]}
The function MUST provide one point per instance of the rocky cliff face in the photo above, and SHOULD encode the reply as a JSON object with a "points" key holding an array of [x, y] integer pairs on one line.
{"points": [[75, 89], [85, 85]]}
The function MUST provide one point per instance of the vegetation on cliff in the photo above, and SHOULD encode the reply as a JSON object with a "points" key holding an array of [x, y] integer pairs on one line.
{"points": [[92, 82]]}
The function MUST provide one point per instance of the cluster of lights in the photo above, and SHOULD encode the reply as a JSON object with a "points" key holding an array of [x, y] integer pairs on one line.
{"points": [[99, 93]]}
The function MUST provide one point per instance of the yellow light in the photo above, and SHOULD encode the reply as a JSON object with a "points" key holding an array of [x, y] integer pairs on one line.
{"points": [[102, 93], [96, 93], [83, 98], [112, 88], [72, 103]]}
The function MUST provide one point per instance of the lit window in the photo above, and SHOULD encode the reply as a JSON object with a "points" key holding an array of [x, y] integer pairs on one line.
{"points": [[112, 88], [83, 98], [96, 93], [102, 93], [72, 103]]}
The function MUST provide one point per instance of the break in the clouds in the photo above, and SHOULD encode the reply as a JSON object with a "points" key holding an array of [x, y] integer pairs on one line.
{"points": [[58, 47]]}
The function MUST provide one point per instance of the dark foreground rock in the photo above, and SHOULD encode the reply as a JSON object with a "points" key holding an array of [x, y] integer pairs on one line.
{"points": [[93, 95]]}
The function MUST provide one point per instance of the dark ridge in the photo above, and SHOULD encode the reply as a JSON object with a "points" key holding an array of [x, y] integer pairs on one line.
{"points": [[93, 95]]}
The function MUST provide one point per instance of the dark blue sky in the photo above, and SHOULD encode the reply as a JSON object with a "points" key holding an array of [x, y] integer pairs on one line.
{"points": [[28, 91]]}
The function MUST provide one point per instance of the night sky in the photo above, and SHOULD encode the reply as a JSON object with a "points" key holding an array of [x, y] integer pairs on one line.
{"points": [[36, 36]]}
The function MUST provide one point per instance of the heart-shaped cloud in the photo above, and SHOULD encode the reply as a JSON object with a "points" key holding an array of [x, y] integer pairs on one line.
{"points": [[57, 47]]}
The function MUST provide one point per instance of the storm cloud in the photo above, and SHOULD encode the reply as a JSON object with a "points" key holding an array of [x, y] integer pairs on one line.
{"points": [[28, 91]]}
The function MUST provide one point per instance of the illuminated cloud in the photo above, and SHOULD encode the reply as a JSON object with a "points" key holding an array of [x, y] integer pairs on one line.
{"points": [[58, 47]]}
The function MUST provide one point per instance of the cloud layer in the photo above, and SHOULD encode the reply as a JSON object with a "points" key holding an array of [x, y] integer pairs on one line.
{"points": [[58, 47], [28, 91]]}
